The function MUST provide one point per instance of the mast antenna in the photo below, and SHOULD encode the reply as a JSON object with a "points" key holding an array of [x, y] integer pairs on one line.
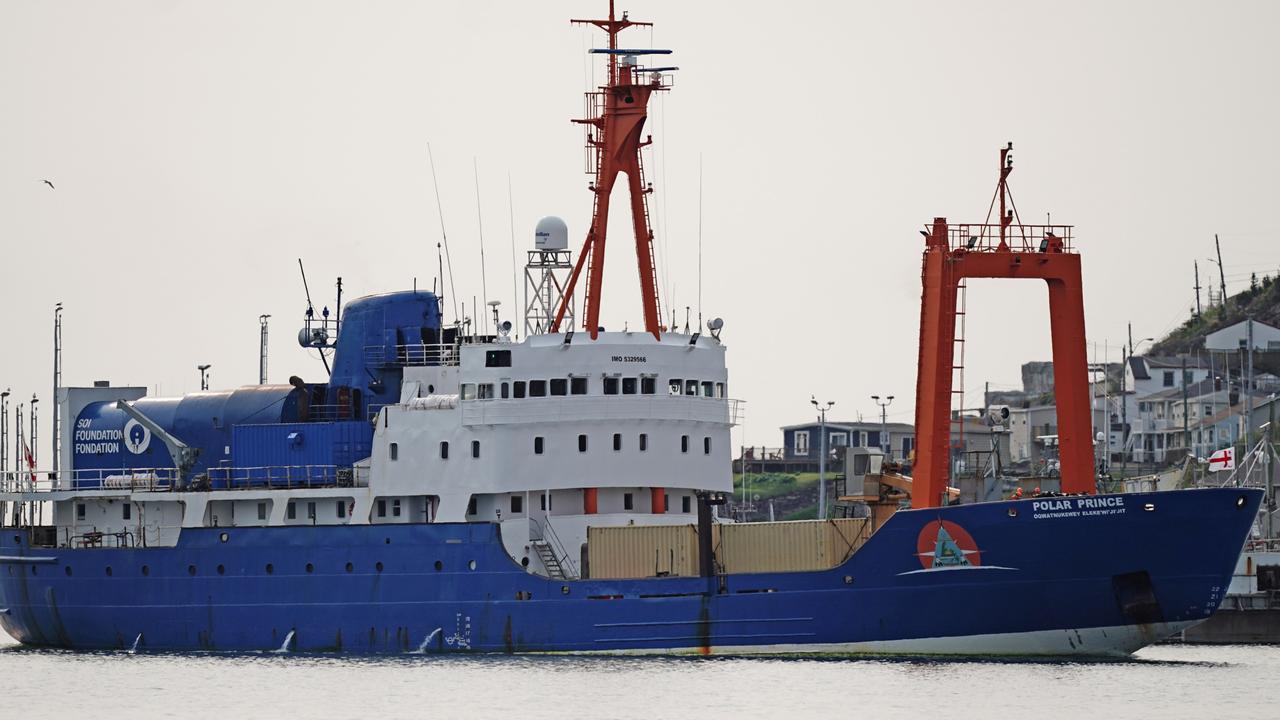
{"points": [[484, 282], [515, 273], [443, 235], [616, 114]]}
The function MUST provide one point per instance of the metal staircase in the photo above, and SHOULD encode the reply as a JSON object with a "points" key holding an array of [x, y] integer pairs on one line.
{"points": [[549, 560]]}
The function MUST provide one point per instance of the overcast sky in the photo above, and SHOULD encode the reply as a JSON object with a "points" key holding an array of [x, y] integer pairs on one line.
{"points": [[199, 148]]}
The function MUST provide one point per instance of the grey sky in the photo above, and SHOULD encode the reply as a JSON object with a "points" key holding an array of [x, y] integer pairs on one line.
{"points": [[198, 148]]}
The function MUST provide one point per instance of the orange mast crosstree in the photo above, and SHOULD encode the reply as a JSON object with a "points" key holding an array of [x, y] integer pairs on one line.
{"points": [[616, 117], [1009, 250]]}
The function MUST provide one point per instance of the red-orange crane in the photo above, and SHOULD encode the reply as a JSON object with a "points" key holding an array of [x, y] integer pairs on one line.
{"points": [[1008, 250], [616, 114]]}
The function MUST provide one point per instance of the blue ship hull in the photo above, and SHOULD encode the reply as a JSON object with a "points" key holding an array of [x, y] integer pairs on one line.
{"points": [[1042, 576]]}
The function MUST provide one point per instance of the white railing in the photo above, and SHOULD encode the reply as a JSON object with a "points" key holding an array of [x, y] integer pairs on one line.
{"points": [[412, 355], [163, 479]]}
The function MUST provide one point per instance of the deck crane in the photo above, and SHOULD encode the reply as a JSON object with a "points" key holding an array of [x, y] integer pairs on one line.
{"points": [[1009, 249]]}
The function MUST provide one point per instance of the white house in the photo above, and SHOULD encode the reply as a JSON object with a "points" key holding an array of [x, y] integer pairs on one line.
{"points": [[1235, 337]]}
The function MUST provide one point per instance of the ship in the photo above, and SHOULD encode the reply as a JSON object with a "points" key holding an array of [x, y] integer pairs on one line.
{"points": [[448, 489]]}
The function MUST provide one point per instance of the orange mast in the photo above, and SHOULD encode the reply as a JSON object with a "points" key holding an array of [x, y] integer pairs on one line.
{"points": [[616, 114], [1008, 250]]}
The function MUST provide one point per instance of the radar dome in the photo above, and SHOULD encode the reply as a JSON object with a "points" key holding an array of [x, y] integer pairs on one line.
{"points": [[551, 234]]}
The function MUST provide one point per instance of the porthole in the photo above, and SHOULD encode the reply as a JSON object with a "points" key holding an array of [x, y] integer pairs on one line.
{"points": [[471, 565], [222, 570], [67, 570], [146, 569], [270, 568], [191, 569], [311, 568], [848, 579], [439, 566], [224, 537], [108, 569], [350, 567], [378, 566], [1240, 501], [524, 561], [564, 589]]}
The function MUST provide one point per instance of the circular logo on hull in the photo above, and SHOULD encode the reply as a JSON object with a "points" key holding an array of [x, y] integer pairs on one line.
{"points": [[137, 438], [944, 544]]}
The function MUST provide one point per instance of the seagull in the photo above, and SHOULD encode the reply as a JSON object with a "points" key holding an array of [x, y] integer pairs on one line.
{"points": [[49, 183]]}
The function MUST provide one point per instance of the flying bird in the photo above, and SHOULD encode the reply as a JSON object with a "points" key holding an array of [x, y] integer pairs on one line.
{"points": [[49, 183]]}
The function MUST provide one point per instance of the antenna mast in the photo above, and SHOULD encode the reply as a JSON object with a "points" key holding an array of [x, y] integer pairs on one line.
{"points": [[616, 114], [57, 384], [262, 350]]}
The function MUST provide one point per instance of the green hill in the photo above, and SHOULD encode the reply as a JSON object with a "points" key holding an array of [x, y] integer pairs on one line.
{"points": [[1261, 300]]}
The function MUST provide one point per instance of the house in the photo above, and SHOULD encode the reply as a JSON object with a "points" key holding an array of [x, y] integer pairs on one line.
{"points": [[1235, 337], [802, 442]]}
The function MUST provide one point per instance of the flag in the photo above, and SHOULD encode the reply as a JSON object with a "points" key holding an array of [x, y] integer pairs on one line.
{"points": [[31, 461], [1224, 459]]}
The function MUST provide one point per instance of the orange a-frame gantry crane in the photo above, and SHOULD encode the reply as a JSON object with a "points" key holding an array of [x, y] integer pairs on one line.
{"points": [[954, 253], [616, 114]]}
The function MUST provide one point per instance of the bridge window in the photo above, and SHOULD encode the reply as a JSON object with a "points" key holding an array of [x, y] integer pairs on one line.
{"points": [[617, 441], [395, 508], [484, 391], [690, 387], [475, 448], [706, 445], [444, 450], [578, 386], [611, 386], [517, 389], [291, 511], [537, 445], [628, 386], [628, 501], [708, 389], [517, 503], [720, 390], [311, 511], [342, 508], [648, 386], [126, 510], [582, 443], [684, 504], [537, 388], [79, 511], [262, 511], [497, 358], [644, 442], [468, 391], [393, 451], [684, 443], [506, 390], [559, 386], [676, 386]]}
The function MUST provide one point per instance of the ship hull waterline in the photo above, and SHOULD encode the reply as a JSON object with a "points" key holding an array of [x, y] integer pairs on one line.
{"points": [[1096, 576]]}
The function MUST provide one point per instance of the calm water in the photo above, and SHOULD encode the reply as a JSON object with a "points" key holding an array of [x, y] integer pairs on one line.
{"points": [[1164, 682]]}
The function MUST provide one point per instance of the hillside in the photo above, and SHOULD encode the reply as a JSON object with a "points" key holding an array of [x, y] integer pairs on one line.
{"points": [[1262, 300]]}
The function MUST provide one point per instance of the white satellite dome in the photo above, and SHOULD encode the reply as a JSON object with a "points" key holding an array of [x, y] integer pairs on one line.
{"points": [[551, 234]]}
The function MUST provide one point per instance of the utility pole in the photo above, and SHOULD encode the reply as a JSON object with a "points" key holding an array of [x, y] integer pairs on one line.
{"points": [[1124, 409], [884, 425], [204, 376], [822, 455], [1222, 275], [1248, 414], [1197, 264]]}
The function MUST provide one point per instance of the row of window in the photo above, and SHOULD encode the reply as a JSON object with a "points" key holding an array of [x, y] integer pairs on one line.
{"points": [[610, 385], [539, 445], [628, 503]]}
